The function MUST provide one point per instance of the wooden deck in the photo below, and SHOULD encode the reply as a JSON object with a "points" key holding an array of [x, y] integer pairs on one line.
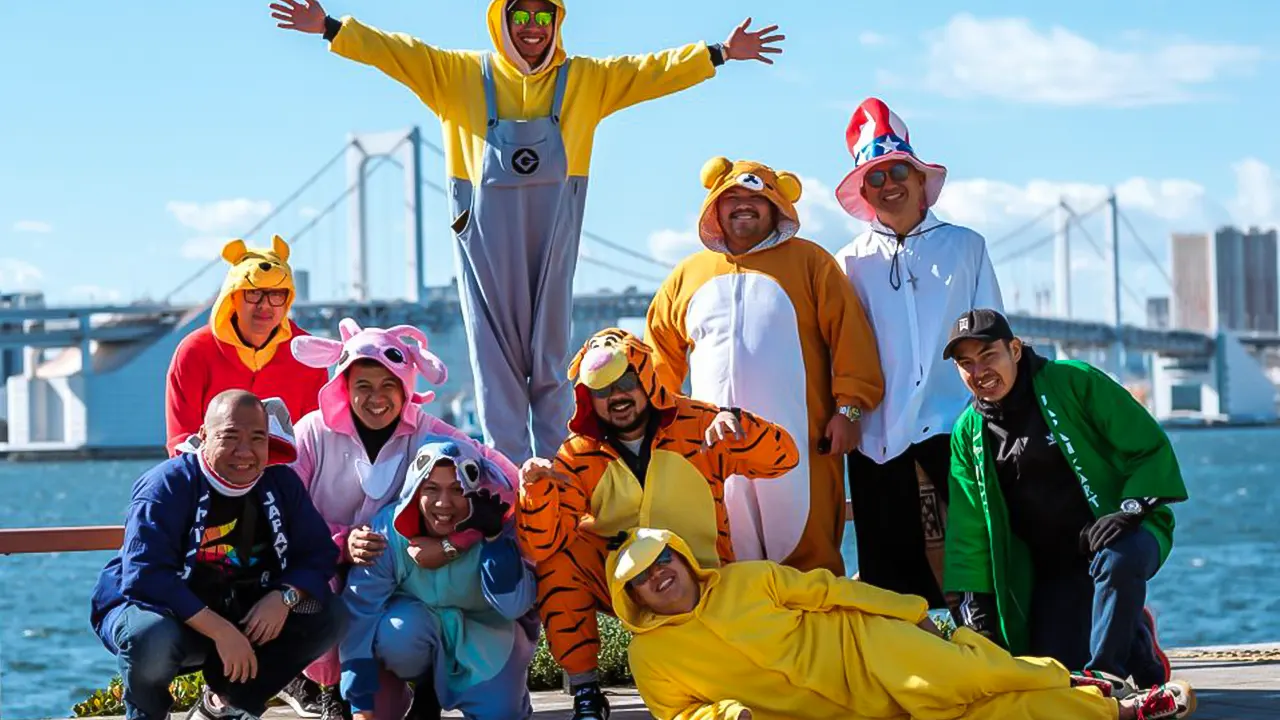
{"points": [[1232, 683]]}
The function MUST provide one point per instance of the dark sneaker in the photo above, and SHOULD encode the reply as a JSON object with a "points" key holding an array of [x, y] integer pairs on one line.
{"points": [[589, 703], [1171, 700], [1150, 619], [332, 706], [426, 706], [203, 710], [303, 696], [1110, 685]]}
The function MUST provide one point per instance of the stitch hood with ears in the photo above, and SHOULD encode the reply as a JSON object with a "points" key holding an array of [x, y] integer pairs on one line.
{"points": [[474, 471], [780, 188], [500, 34], [603, 359], [253, 269], [389, 348]]}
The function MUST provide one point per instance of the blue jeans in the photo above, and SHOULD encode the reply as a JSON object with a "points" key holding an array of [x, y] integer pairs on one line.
{"points": [[1090, 617], [154, 649]]}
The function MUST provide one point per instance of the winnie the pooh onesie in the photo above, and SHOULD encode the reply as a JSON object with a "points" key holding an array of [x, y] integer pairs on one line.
{"points": [[791, 645], [216, 358], [778, 331]]}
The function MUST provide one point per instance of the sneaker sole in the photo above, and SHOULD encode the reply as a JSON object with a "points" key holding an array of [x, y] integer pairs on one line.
{"points": [[293, 702], [1155, 644], [1189, 693]]}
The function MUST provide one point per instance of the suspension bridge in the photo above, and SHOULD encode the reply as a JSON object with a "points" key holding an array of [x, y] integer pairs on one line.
{"points": [[91, 377]]}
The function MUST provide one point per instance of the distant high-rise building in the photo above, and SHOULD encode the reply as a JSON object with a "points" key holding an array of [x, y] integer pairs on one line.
{"points": [[1158, 313], [1227, 281]]}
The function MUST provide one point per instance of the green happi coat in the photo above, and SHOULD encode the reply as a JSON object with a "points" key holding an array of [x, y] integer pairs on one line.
{"points": [[1118, 451]]}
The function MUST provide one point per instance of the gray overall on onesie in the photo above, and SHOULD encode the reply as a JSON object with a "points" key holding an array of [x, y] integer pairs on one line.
{"points": [[517, 237]]}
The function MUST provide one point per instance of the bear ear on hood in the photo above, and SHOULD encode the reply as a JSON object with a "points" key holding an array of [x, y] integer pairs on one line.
{"points": [[280, 247], [714, 171], [789, 186], [234, 251]]}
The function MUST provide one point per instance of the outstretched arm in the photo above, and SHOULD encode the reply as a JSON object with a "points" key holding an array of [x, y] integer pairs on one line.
{"points": [[821, 590], [551, 505], [424, 69], [632, 79]]}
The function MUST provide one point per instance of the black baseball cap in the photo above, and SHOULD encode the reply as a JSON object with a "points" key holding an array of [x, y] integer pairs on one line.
{"points": [[982, 324]]}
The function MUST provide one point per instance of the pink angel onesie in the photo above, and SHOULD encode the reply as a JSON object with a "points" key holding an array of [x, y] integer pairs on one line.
{"points": [[345, 486]]}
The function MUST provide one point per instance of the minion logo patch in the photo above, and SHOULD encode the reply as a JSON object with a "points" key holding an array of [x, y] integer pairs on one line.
{"points": [[751, 181]]}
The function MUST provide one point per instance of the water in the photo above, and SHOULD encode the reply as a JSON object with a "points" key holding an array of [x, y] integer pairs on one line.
{"points": [[1220, 586]]}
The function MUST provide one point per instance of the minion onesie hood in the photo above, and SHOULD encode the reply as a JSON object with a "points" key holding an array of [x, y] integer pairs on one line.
{"points": [[780, 188], [504, 43], [603, 359], [253, 269]]}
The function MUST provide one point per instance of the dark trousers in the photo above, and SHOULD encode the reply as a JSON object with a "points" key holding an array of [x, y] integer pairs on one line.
{"points": [[886, 517], [1091, 616], [154, 649]]}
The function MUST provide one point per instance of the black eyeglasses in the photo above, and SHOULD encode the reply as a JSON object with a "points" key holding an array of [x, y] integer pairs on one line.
{"points": [[898, 171], [628, 382], [274, 298]]}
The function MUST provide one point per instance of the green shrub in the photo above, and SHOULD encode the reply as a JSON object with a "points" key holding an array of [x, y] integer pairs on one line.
{"points": [[544, 674]]}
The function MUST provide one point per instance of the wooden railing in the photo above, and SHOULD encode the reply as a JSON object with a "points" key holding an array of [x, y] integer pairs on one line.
{"points": [[25, 541]]}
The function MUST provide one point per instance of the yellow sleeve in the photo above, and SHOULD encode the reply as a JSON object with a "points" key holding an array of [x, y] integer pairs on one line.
{"points": [[667, 699], [426, 70], [664, 332], [820, 591], [856, 378], [631, 79]]}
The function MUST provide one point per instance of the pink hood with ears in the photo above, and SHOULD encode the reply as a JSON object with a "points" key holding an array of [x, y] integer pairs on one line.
{"points": [[389, 348]]}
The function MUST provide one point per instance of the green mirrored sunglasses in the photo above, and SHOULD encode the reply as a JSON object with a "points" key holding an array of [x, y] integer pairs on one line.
{"points": [[521, 17]]}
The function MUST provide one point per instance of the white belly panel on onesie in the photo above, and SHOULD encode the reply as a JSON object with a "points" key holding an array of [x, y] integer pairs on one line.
{"points": [[747, 354]]}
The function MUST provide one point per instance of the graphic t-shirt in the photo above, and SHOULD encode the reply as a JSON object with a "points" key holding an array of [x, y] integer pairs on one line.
{"points": [[220, 559]]}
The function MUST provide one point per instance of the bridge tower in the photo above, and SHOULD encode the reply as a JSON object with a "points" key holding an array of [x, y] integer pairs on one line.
{"points": [[402, 147]]}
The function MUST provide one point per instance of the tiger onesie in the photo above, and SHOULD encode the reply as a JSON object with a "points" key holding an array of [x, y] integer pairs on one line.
{"points": [[679, 485]]}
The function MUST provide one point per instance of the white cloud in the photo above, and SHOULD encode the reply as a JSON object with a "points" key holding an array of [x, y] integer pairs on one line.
{"points": [[821, 217], [216, 222], [872, 39], [19, 275], [1257, 200], [32, 226], [1007, 58], [672, 246]]}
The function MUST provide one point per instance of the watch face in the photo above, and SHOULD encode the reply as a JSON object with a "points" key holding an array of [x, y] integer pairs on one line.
{"points": [[1131, 506]]}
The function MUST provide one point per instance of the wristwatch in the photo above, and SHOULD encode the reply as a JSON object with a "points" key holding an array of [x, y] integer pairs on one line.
{"points": [[850, 412], [291, 597], [1131, 506], [450, 551]]}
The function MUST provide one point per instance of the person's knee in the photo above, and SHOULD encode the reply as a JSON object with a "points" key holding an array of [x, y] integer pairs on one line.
{"points": [[1120, 563], [405, 639], [151, 648]]}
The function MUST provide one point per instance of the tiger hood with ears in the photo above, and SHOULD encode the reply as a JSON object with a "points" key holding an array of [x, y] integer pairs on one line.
{"points": [[601, 361]]}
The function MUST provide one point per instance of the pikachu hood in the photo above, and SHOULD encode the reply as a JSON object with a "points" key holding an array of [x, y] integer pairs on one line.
{"points": [[504, 43], [253, 269], [634, 556]]}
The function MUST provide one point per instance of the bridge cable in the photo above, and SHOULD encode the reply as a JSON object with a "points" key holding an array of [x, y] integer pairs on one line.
{"points": [[1026, 249], [261, 223], [1146, 249], [628, 273], [378, 163], [1097, 247], [1021, 228]]}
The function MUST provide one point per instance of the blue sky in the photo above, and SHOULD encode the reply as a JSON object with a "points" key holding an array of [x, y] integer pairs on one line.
{"points": [[136, 140]]}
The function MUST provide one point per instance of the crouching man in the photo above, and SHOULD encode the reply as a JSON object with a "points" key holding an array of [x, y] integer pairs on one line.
{"points": [[225, 568], [760, 641], [465, 631]]}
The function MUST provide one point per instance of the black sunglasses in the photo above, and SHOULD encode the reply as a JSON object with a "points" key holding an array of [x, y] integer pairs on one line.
{"points": [[628, 382], [898, 171]]}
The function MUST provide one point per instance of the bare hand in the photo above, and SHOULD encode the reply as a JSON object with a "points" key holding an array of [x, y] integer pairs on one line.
{"points": [[536, 469], [364, 545], [929, 626], [302, 15], [723, 426], [842, 436], [239, 664], [743, 45], [266, 618]]}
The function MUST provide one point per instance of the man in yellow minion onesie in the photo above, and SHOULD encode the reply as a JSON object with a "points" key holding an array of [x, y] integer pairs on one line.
{"points": [[518, 128], [769, 324], [761, 641], [640, 455]]}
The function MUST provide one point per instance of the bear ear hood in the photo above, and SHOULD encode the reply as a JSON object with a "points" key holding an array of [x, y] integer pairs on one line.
{"points": [[601, 361], [781, 188], [253, 269]]}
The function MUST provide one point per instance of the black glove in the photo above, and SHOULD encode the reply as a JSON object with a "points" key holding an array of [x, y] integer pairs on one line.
{"points": [[488, 511], [1104, 531], [977, 611]]}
